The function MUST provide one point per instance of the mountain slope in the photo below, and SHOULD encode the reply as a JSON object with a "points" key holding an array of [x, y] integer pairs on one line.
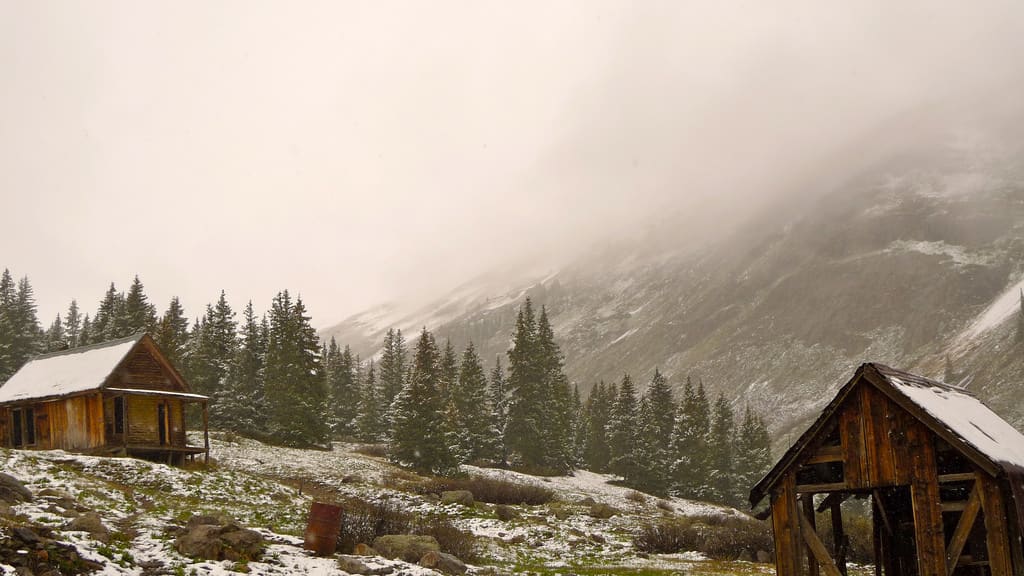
{"points": [[898, 264]]}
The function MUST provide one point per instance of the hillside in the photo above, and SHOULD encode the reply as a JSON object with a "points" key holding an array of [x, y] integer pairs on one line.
{"points": [[896, 263], [143, 507]]}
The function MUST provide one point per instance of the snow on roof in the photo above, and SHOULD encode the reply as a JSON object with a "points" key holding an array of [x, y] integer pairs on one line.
{"points": [[62, 373], [963, 414]]}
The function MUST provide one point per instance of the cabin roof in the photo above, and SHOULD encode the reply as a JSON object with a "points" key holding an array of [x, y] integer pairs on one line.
{"points": [[952, 413], [67, 372]]}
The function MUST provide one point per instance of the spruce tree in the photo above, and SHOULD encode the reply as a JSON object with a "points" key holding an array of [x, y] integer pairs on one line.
{"points": [[105, 320], [85, 334], [556, 399], [663, 405], [370, 419], [172, 333], [8, 297], [418, 436], [218, 346], [525, 429], [722, 478], [343, 390], [597, 410], [393, 368], [139, 314], [56, 339], [73, 325], [474, 428], [499, 407], [244, 410], [752, 455], [449, 372], [27, 337], [650, 453], [689, 447], [622, 440], [579, 428]]}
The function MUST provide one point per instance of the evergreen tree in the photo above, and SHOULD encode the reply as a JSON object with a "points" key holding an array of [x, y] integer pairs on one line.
{"points": [[579, 428], [752, 455], [370, 419], [499, 407], [56, 339], [474, 428], [622, 440], [104, 323], [85, 334], [418, 436], [343, 390], [663, 405], [722, 477], [598, 408], [27, 337], [172, 334], [139, 314], [8, 297], [689, 445], [73, 325], [245, 408], [217, 347], [293, 380], [393, 368], [449, 372], [556, 399], [525, 429], [650, 454]]}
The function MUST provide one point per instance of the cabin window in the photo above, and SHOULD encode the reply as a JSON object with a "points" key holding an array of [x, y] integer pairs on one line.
{"points": [[119, 415], [24, 430]]}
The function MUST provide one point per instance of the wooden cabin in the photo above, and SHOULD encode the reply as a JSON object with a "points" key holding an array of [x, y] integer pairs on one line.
{"points": [[121, 397], [944, 476]]}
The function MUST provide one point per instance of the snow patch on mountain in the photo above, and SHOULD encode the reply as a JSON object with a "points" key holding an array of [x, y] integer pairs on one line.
{"points": [[1001, 310], [959, 255]]}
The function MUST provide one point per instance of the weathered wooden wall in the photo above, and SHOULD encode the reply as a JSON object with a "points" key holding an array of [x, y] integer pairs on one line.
{"points": [[143, 421], [142, 371]]}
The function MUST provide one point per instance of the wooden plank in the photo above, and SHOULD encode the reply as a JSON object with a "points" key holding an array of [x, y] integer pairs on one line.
{"points": [[950, 507], [807, 502], [826, 454], [852, 442], [818, 548], [924, 495], [997, 536], [785, 527], [959, 477], [818, 488], [963, 530], [869, 446]]}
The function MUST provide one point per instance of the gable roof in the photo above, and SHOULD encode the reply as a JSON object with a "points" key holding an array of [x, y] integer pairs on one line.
{"points": [[69, 371], [953, 414]]}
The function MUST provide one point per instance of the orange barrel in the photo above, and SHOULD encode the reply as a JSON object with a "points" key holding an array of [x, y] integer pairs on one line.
{"points": [[322, 530]]}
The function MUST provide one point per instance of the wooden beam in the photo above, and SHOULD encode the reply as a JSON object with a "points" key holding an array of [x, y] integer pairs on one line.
{"points": [[206, 431], [997, 535], [826, 454], [827, 502], [963, 530], [958, 506], [838, 536], [817, 547], [807, 500], [959, 477], [817, 488], [876, 497]]}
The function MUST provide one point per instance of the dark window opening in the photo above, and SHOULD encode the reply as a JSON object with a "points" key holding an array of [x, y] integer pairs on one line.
{"points": [[119, 415], [24, 429], [16, 439]]}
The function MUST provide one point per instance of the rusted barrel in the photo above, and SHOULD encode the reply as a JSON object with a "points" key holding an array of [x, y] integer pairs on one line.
{"points": [[322, 529]]}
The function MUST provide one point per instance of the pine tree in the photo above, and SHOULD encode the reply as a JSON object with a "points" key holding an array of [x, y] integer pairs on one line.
{"points": [[105, 320], [663, 405], [622, 440], [579, 428], [343, 390], [218, 346], [8, 296], [139, 314], [449, 372], [85, 334], [172, 333], [752, 455], [370, 420], [27, 338], [474, 428], [73, 325], [525, 429], [393, 368], [245, 410], [597, 409], [689, 447], [56, 339], [293, 380], [499, 407], [650, 452], [722, 477], [556, 399], [418, 436]]}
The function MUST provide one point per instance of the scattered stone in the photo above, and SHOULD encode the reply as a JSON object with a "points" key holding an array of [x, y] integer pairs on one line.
{"points": [[598, 538], [405, 547], [505, 513], [602, 511], [444, 562], [364, 549], [464, 497], [518, 539], [355, 565], [91, 523], [12, 491], [26, 535]]}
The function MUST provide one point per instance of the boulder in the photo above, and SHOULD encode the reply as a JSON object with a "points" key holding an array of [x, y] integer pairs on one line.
{"points": [[242, 544], [201, 541], [443, 562], [92, 523], [219, 540], [12, 491], [602, 511], [405, 547], [464, 497]]}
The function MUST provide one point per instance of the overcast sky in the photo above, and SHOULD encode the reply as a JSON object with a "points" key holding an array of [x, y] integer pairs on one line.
{"points": [[357, 152]]}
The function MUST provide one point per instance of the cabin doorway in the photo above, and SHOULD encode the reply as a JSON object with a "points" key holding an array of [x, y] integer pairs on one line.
{"points": [[895, 537]]}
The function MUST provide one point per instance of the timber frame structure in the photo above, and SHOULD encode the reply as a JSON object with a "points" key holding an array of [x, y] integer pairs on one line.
{"points": [[122, 397], [944, 475]]}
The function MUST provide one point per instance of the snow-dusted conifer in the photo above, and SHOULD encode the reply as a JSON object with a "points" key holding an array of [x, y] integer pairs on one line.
{"points": [[622, 431], [72, 324], [473, 427]]}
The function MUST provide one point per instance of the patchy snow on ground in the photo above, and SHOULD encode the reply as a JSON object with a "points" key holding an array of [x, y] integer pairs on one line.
{"points": [[1001, 310]]}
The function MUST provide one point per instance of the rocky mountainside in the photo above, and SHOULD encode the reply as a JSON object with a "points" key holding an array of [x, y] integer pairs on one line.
{"points": [[908, 261]]}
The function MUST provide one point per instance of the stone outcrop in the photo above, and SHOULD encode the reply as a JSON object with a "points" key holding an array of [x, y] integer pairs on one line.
{"points": [[217, 538]]}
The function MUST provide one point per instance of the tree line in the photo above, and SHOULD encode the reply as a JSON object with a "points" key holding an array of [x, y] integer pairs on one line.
{"points": [[270, 377]]}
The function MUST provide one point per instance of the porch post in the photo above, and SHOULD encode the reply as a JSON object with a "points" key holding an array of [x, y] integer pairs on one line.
{"points": [[206, 430]]}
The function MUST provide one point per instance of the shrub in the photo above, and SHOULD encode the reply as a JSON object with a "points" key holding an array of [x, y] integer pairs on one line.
{"points": [[493, 490], [363, 521], [718, 537], [635, 496], [460, 543]]}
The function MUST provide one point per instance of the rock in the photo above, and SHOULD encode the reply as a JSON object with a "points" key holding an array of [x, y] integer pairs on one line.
{"points": [[207, 519], [763, 556], [444, 562], [202, 541], [242, 544], [364, 549], [602, 511], [213, 538], [464, 497], [355, 565], [588, 501], [92, 523], [505, 513], [745, 556], [405, 546], [26, 535], [12, 491]]}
